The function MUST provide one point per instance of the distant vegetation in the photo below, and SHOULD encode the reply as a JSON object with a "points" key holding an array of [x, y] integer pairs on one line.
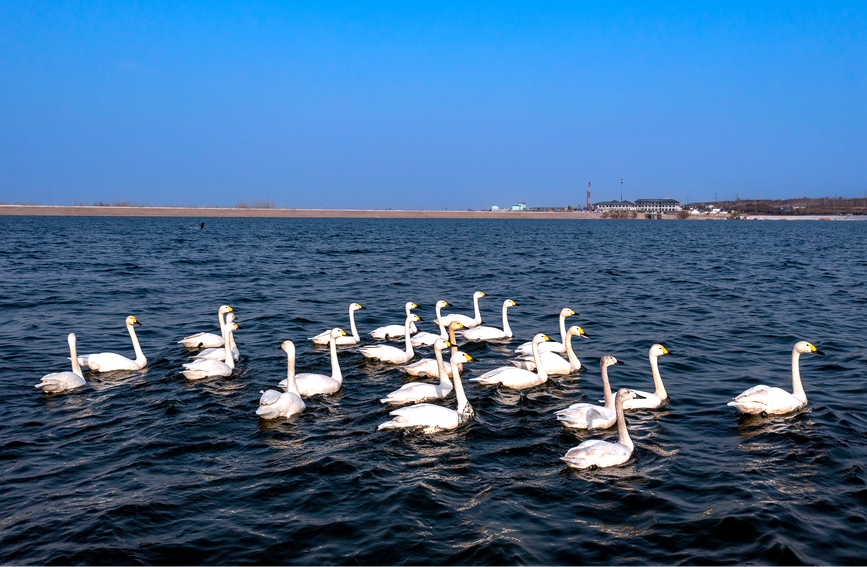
{"points": [[794, 207], [619, 214], [256, 205]]}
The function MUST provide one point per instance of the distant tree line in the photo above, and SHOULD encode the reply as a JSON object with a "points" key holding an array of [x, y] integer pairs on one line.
{"points": [[801, 206]]}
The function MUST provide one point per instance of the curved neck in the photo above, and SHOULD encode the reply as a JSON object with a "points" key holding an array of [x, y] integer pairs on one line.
{"points": [[657, 379], [335, 366], [478, 316], [464, 407], [222, 318], [291, 386], [563, 328], [227, 345], [439, 321], [606, 388], [352, 326], [407, 338], [73, 355], [622, 433], [506, 328], [540, 370], [797, 389], [139, 355], [570, 354], [441, 368]]}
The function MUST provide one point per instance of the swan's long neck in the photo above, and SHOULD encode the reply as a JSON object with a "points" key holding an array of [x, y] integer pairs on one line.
{"points": [[606, 388], [440, 322], [352, 325], [506, 328], [409, 351], [291, 386], [797, 388], [570, 354], [562, 328], [540, 370], [657, 379], [139, 355], [441, 368], [335, 365], [227, 345], [465, 410], [454, 351], [222, 318], [73, 355], [478, 316], [622, 432]]}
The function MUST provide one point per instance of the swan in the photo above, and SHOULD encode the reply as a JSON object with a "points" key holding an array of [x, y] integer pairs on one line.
{"points": [[597, 453], [109, 361], [219, 353], [394, 355], [395, 331], [343, 340], [659, 397], [212, 368], [424, 339], [486, 333], [427, 367], [208, 340], [553, 346], [274, 404], [420, 391], [766, 400], [556, 365], [463, 319], [589, 416], [62, 381], [430, 417], [310, 384], [518, 378]]}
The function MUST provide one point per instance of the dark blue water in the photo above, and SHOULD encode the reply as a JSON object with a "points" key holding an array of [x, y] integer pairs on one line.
{"points": [[146, 467]]}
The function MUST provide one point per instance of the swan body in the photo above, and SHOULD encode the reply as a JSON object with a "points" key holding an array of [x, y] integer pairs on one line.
{"points": [[776, 401], [424, 338], [210, 367], [343, 340], [657, 398], [219, 353], [63, 381], [468, 322], [421, 391], [390, 354], [430, 417], [556, 365], [517, 378], [310, 384], [395, 331], [274, 404], [208, 340], [485, 333], [552, 346], [590, 416], [428, 367], [109, 361], [598, 453]]}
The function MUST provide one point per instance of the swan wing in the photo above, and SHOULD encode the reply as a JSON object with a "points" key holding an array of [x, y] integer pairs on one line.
{"points": [[648, 400], [200, 340], [510, 377], [765, 399], [598, 453], [485, 333], [467, 322], [322, 338], [548, 346], [109, 361], [269, 397], [60, 381], [385, 353], [426, 367], [427, 416], [206, 368], [415, 392], [285, 405], [424, 339], [315, 384]]}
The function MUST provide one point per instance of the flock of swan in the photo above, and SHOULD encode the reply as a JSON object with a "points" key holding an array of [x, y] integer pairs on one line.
{"points": [[536, 360]]}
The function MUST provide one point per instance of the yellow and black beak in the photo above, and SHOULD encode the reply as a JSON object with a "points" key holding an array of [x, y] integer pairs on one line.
{"points": [[816, 351]]}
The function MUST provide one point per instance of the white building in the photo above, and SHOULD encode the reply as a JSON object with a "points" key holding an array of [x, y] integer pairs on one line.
{"points": [[657, 206], [614, 205]]}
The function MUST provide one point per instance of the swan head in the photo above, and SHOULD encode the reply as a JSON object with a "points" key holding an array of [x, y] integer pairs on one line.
{"points": [[658, 350], [607, 361], [413, 317], [465, 356], [442, 303], [337, 333], [410, 305], [225, 309], [624, 394], [70, 338], [566, 312], [804, 347], [455, 325], [460, 358], [509, 303], [131, 320], [577, 331], [478, 295], [442, 344], [234, 327], [540, 338], [355, 306], [230, 318], [288, 347]]}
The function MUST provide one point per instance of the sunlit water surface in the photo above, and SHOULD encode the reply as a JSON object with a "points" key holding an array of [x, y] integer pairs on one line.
{"points": [[148, 467]]}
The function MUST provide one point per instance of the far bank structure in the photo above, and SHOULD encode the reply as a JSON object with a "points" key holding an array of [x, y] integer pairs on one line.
{"points": [[640, 206]]}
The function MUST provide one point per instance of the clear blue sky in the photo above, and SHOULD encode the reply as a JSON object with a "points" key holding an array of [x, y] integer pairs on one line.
{"points": [[429, 105]]}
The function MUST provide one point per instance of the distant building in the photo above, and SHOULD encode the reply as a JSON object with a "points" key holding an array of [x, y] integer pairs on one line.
{"points": [[614, 205], [519, 207], [657, 206], [495, 208]]}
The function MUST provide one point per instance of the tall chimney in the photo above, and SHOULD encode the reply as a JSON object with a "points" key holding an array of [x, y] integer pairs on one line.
{"points": [[588, 195]]}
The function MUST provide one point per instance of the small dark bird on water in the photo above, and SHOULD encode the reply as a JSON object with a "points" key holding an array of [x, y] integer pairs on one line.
{"points": [[203, 226]]}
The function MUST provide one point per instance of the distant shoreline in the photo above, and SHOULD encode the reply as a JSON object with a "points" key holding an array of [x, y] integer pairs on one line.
{"points": [[219, 212]]}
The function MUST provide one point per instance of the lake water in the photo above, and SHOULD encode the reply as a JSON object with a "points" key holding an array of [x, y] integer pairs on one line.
{"points": [[147, 467]]}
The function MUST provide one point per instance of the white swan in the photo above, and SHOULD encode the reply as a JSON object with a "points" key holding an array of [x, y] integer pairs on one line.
{"points": [[428, 368], [310, 384], [556, 365], [552, 346], [486, 333], [394, 355], [343, 340], [424, 338], [597, 453], [274, 404], [212, 368], [208, 340], [765, 400], [62, 381], [395, 331], [659, 397], [219, 353], [467, 322], [517, 378], [589, 416], [430, 417], [421, 391], [109, 361]]}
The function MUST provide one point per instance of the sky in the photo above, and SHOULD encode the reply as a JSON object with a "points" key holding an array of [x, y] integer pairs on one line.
{"points": [[430, 105]]}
